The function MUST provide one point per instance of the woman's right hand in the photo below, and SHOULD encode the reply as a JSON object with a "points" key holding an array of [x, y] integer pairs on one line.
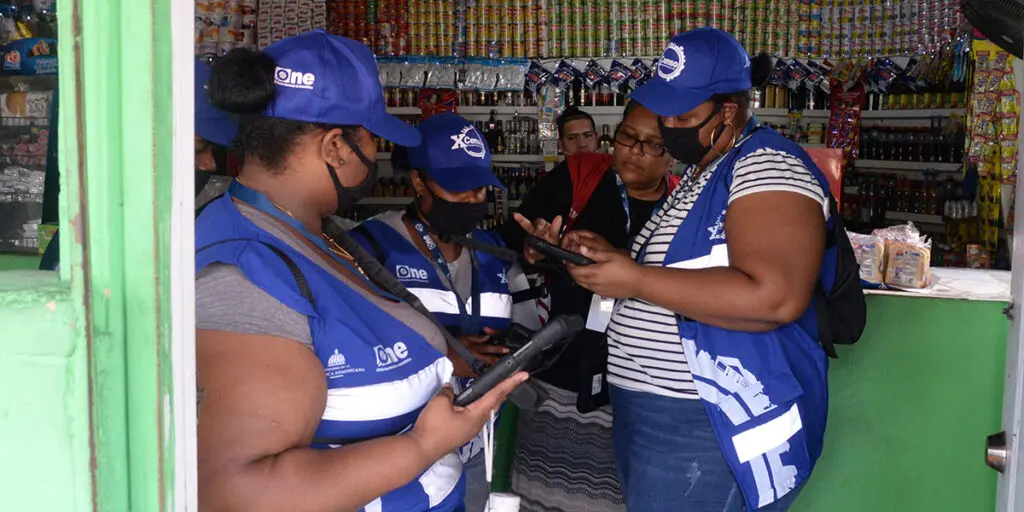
{"points": [[574, 241], [540, 228], [443, 427]]}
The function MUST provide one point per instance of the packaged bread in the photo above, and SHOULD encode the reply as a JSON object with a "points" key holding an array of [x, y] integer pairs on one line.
{"points": [[907, 256], [870, 253]]}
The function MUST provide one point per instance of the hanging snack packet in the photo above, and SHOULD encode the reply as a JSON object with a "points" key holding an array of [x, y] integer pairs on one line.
{"points": [[796, 73], [594, 75], [512, 74], [639, 72], [536, 77], [619, 75], [413, 73], [564, 75], [441, 73], [473, 74]]}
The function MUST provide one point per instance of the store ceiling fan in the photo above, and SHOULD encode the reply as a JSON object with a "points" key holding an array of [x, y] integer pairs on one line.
{"points": [[1000, 21]]}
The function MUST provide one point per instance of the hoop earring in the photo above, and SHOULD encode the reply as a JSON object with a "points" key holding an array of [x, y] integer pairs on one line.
{"points": [[715, 142], [735, 138]]}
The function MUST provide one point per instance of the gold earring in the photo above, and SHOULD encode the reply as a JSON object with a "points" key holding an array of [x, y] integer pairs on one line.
{"points": [[713, 137]]}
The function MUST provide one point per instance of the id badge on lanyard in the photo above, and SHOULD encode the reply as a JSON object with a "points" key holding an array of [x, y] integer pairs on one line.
{"points": [[470, 320]]}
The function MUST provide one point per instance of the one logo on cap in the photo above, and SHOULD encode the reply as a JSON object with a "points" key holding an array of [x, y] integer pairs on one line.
{"points": [[672, 63], [469, 141], [295, 79]]}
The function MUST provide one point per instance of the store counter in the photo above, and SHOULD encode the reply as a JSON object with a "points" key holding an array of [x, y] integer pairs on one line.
{"points": [[913, 401], [910, 404]]}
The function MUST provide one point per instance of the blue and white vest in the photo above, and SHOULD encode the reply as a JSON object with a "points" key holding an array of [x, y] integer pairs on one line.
{"points": [[380, 373], [418, 274], [765, 393]]}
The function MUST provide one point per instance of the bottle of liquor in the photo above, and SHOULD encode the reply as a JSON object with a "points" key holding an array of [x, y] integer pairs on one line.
{"points": [[499, 140], [605, 143]]}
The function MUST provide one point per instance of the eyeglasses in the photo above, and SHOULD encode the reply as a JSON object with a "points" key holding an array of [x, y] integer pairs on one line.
{"points": [[646, 147]]}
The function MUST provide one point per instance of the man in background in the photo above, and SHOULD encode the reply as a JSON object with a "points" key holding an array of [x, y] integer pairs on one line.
{"points": [[577, 132]]}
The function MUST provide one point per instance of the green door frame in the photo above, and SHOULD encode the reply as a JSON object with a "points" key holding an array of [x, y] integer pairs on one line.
{"points": [[116, 149]]}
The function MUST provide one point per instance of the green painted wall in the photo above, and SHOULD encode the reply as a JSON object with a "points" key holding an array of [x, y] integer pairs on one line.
{"points": [[911, 406], [44, 409], [18, 262]]}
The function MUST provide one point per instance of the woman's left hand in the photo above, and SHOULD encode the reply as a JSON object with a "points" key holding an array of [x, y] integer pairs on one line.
{"points": [[613, 273]]}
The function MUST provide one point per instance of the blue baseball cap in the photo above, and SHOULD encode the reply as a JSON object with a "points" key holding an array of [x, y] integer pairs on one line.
{"points": [[453, 154], [322, 78], [211, 124], [696, 65]]}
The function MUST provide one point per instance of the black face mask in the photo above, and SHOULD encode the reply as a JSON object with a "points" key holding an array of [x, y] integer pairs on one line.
{"points": [[453, 219], [684, 143], [202, 178], [348, 197]]}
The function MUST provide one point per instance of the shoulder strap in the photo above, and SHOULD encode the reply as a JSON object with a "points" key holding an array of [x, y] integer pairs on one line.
{"points": [[300, 278], [378, 250], [585, 172], [203, 207]]}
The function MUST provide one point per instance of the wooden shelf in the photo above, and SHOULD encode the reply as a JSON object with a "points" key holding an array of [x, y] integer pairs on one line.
{"points": [[908, 166], [926, 113], [916, 218]]}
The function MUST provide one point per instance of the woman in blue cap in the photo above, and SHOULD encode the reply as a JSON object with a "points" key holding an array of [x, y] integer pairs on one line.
{"points": [[718, 380], [467, 290], [319, 391]]}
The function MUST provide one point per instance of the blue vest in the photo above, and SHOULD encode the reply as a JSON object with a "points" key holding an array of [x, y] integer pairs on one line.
{"points": [[417, 273], [765, 393], [380, 373]]}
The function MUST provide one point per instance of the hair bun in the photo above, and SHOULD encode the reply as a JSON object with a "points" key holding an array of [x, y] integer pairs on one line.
{"points": [[242, 82]]}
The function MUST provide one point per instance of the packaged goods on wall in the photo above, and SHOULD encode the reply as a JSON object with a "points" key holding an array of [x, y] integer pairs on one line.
{"points": [[616, 28], [24, 135], [222, 25]]}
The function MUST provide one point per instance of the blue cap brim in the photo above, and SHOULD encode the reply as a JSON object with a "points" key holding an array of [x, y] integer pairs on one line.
{"points": [[220, 130], [461, 179], [667, 101], [394, 129]]}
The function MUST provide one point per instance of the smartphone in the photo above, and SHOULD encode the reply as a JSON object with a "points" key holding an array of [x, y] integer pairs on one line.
{"points": [[554, 252]]}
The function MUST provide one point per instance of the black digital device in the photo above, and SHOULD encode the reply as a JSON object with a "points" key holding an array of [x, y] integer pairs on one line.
{"points": [[555, 252], [559, 330], [513, 337]]}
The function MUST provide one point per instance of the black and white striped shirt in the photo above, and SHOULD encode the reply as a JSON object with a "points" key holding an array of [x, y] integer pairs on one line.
{"points": [[645, 352]]}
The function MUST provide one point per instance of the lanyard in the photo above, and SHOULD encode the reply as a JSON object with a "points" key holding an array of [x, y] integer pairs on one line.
{"points": [[262, 203], [470, 322], [691, 179], [624, 195]]}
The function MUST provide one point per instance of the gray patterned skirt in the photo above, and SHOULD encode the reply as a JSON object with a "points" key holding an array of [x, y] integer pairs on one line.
{"points": [[564, 460]]}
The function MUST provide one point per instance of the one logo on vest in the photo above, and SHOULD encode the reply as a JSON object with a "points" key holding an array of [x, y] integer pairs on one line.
{"points": [[503, 277], [389, 358], [407, 273], [294, 79], [672, 63], [718, 229], [338, 367], [469, 141]]}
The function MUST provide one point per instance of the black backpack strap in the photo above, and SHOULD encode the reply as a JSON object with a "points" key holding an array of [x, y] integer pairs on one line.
{"points": [[203, 207], [378, 250], [825, 336], [300, 278]]}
